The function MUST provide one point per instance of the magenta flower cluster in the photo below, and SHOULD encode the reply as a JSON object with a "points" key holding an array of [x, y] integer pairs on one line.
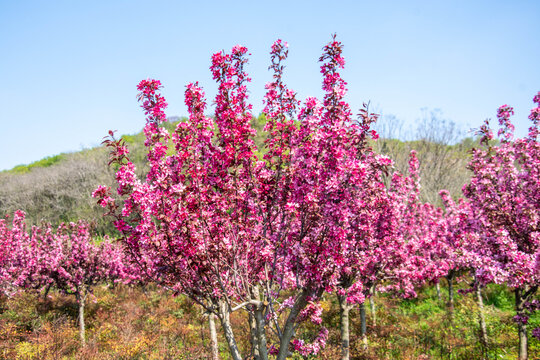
{"points": [[66, 258]]}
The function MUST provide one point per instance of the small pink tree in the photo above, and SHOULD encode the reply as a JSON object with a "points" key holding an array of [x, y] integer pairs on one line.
{"points": [[450, 246], [381, 240], [68, 259], [413, 233], [17, 263], [505, 191], [463, 251], [71, 261]]}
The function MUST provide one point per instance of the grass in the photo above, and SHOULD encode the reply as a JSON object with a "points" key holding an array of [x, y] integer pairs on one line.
{"points": [[148, 323], [45, 162]]}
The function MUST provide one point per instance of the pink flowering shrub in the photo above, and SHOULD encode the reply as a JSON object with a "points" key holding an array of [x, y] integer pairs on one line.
{"points": [[17, 261], [67, 259], [71, 261], [505, 192]]}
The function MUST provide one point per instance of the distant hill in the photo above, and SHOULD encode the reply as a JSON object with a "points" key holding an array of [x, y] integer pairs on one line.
{"points": [[58, 188]]}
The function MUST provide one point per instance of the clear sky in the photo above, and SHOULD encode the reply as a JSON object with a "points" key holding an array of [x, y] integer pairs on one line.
{"points": [[69, 69]]}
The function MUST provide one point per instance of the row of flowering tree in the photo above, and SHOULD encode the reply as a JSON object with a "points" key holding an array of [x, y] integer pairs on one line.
{"points": [[504, 193], [269, 229], [494, 233], [66, 258]]}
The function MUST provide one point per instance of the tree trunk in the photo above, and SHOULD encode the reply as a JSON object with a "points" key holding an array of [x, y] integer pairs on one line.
{"points": [[46, 293], [363, 328], [81, 299], [372, 306], [254, 340], [261, 335], [481, 319], [224, 317], [288, 329], [450, 279], [344, 310], [81, 324], [213, 336], [438, 288], [522, 328]]}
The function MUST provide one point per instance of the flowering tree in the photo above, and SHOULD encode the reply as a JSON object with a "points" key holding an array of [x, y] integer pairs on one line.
{"points": [[378, 251], [458, 251], [230, 230], [407, 266], [16, 259], [193, 224], [505, 191], [67, 259], [72, 262], [448, 237]]}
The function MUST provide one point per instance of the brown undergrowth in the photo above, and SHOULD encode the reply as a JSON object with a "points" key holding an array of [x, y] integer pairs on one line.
{"points": [[149, 323]]}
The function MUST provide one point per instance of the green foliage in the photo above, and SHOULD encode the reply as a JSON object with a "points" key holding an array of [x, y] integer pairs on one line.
{"points": [[45, 162], [500, 297], [424, 326]]}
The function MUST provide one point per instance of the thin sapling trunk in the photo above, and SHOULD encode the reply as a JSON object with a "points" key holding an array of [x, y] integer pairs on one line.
{"points": [[522, 326], [450, 280], [344, 310], [81, 300], [213, 336], [481, 318], [224, 317], [372, 306], [363, 327]]}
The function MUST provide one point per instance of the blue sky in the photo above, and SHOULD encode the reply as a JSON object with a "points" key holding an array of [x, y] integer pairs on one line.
{"points": [[70, 68]]}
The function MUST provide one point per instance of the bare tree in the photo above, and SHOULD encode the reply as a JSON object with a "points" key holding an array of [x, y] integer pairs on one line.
{"points": [[441, 150]]}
